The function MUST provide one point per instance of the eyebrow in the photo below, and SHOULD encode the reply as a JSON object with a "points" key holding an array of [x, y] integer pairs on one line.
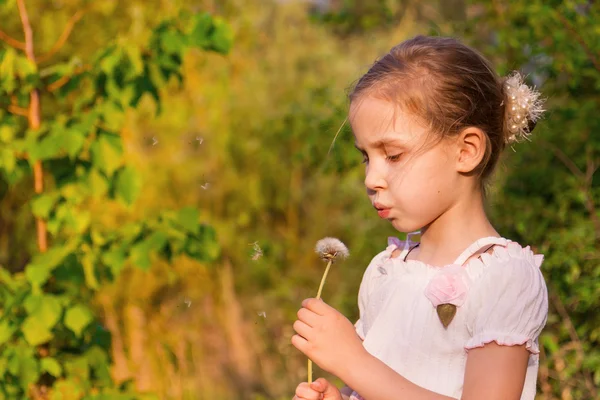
{"points": [[379, 143]]}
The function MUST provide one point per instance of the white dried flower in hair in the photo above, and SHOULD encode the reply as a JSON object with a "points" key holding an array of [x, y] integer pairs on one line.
{"points": [[523, 107], [329, 248]]}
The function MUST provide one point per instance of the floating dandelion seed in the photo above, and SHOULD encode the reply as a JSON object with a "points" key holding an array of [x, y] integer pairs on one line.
{"points": [[262, 314], [205, 186], [257, 251], [328, 249], [154, 140], [198, 139], [188, 302]]}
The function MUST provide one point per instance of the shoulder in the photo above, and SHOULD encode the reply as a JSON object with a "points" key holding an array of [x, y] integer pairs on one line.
{"points": [[512, 264], [508, 296]]}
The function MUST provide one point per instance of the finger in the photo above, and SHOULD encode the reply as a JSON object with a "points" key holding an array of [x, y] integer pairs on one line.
{"points": [[317, 306], [300, 343], [308, 317], [321, 385], [303, 330], [304, 392]]}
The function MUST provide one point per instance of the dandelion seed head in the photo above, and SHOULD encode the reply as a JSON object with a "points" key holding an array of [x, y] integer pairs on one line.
{"points": [[330, 248]]}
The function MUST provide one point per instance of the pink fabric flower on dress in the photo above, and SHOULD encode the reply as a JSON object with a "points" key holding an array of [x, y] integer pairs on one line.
{"points": [[449, 286]]}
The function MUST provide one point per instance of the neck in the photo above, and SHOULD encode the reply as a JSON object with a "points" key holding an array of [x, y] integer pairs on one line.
{"points": [[443, 240]]}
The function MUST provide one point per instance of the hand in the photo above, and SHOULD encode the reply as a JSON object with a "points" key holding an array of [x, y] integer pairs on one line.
{"points": [[320, 389], [327, 337]]}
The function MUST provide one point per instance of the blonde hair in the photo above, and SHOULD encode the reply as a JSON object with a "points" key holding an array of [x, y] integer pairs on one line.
{"points": [[447, 85]]}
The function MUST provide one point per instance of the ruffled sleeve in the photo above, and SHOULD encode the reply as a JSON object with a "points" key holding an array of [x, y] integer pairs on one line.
{"points": [[508, 304], [366, 288]]}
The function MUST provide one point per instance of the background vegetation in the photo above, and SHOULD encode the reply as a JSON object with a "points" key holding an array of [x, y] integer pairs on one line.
{"points": [[180, 169]]}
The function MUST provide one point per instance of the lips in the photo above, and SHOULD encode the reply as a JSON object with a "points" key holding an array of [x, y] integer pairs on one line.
{"points": [[382, 210]]}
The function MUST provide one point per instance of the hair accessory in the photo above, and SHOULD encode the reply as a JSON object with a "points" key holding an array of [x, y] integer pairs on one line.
{"points": [[524, 107]]}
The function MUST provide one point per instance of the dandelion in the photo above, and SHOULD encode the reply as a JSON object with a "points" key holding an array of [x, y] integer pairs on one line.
{"points": [[328, 249]]}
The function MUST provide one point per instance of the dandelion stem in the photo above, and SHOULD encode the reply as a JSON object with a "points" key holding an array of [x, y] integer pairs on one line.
{"points": [[318, 297], [323, 279]]}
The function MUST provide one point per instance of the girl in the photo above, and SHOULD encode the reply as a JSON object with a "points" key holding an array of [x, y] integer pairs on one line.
{"points": [[458, 315]]}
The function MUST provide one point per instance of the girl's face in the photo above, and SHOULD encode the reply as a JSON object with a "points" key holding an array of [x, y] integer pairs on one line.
{"points": [[407, 170]]}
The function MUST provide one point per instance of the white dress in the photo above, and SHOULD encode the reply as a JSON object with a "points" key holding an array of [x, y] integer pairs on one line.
{"points": [[506, 302]]}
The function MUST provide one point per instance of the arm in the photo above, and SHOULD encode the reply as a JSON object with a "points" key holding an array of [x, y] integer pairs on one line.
{"points": [[493, 373]]}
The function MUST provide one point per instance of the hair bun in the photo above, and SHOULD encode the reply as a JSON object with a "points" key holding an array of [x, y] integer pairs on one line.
{"points": [[523, 108]]}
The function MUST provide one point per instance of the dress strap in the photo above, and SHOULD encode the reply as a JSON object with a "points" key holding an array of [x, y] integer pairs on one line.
{"points": [[479, 244]]}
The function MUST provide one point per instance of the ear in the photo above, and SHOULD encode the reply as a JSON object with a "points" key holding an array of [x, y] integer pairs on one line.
{"points": [[471, 144]]}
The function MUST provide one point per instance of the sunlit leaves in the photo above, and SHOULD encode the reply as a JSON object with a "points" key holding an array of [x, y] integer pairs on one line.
{"points": [[128, 185], [83, 159], [77, 318], [107, 153]]}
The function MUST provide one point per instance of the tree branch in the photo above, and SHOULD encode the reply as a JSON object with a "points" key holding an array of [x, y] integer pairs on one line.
{"points": [[567, 25], [63, 37], [12, 41], [34, 123], [23, 112]]}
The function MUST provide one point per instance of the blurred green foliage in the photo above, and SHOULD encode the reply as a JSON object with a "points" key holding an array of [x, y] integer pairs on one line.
{"points": [[52, 345], [246, 139]]}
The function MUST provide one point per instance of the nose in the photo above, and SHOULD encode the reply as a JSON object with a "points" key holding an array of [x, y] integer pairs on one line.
{"points": [[374, 178]]}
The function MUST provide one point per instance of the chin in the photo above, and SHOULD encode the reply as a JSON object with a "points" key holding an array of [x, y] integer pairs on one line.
{"points": [[405, 226]]}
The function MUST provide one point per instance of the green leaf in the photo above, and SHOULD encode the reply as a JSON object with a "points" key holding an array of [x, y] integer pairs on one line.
{"points": [[37, 275], [187, 218], [35, 331], [43, 204], [89, 269], [173, 42], [7, 70], [115, 259], [205, 247], [107, 153], [24, 366], [140, 253], [78, 318], [128, 185], [97, 184], [7, 280], [51, 366], [111, 60], [8, 160], [73, 141], [221, 37], [67, 389], [7, 133], [39, 270], [45, 308], [200, 34], [135, 58], [6, 331]]}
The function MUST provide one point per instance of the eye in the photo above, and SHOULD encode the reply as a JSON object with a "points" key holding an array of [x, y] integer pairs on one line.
{"points": [[394, 158], [365, 159]]}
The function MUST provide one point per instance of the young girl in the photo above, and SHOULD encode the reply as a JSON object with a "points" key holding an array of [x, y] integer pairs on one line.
{"points": [[458, 315]]}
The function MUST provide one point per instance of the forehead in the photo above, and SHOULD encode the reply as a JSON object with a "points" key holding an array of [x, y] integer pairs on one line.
{"points": [[376, 122]]}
